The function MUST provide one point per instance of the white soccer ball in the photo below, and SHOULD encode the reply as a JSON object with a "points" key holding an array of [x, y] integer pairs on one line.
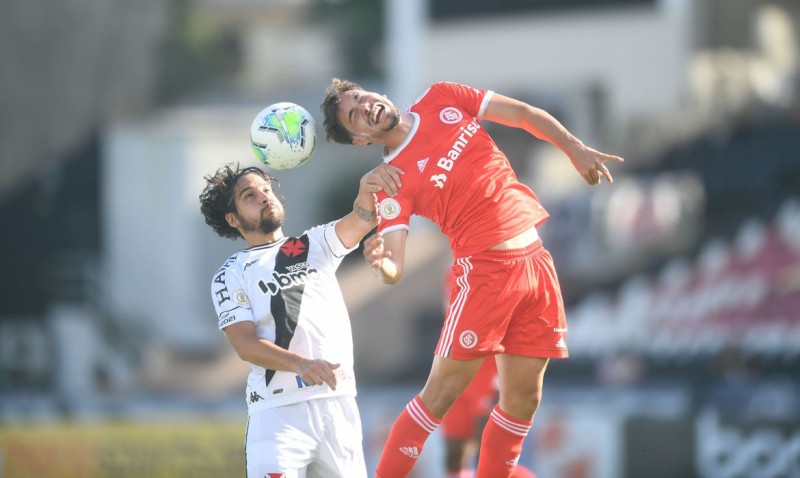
{"points": [[283, 135]]}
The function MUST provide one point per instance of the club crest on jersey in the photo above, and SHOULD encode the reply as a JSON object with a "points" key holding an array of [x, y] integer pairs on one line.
{"points": [[389, 208], [450, 115], [293, 248]]}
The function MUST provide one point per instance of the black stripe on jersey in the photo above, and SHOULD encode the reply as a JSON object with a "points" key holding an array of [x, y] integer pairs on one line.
{"points": [[285, 304]]}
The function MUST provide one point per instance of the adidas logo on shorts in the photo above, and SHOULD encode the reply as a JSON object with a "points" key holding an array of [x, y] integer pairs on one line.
{"points": [[513, 462], [410, 451]]}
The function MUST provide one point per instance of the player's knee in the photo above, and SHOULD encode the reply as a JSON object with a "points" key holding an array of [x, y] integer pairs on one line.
{"points": [[522, 404]]}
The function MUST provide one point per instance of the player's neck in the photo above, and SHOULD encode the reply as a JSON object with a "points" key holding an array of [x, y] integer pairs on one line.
{"points": [[256, 239], [398, 134]]}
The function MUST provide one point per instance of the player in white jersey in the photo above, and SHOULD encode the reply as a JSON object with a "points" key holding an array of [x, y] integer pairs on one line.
{"points": [[280, 306]]}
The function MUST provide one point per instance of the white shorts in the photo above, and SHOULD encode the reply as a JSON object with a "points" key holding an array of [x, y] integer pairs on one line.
{"points": [[318, 438]]}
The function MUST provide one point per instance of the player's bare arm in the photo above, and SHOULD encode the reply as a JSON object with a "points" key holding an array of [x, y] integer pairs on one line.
{"points": [[384, 254], [261, 352], [353, 227], [587, 161]]}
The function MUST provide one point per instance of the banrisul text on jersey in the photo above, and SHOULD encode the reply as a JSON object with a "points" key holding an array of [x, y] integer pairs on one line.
{"points": [[448, 161]]}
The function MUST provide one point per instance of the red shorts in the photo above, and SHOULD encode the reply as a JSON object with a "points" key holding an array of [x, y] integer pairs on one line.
{"points": [[504, 302], [475, 402]]}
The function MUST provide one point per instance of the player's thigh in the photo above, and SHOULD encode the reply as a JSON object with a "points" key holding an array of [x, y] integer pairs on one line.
{"points": [[483, 298], [341, 453], [280, 441]]}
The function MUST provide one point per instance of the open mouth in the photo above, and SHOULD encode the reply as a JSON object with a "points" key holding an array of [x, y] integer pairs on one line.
{"points": [[377, 113]]}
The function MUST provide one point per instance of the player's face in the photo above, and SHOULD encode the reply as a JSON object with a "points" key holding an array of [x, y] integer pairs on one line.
{"points": [[258, 209], [366, 114]]}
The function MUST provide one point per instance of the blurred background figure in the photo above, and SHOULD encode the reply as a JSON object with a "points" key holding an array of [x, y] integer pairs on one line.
{"points": [[110, 360]]}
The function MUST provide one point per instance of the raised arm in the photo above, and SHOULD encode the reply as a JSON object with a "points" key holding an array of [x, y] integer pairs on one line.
{"points": [[354, 226], [541, 124]]}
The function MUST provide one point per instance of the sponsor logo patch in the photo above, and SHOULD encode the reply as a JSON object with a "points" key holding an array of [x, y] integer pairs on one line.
{"points": [[389, 208]]}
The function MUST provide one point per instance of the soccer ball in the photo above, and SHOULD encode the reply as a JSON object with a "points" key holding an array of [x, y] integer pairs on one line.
{"points": [[283, 135]]}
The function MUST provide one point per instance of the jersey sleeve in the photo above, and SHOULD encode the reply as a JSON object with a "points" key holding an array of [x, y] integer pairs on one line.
{"points": [[394, 213], [474, 101], [230, 299], [331, 245]]}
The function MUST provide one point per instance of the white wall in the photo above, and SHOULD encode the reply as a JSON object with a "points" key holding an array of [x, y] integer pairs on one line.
{"points": [[158, 250], [640, 55]]}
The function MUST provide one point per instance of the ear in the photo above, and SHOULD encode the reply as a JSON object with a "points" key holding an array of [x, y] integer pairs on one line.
{"points": [[230, 218]]}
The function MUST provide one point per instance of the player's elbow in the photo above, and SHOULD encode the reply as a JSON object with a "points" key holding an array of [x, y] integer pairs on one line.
{"points": [[244, 350]]}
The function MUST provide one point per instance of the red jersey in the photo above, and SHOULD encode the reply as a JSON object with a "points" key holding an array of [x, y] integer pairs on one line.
{"points": [[456, 176]]}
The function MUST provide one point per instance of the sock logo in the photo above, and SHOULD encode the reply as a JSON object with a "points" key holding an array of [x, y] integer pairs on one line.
{"points": [[513, 462], [410, 451]]}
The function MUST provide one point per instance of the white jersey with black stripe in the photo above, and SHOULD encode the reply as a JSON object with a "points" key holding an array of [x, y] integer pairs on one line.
{"points": [[289, 289]]}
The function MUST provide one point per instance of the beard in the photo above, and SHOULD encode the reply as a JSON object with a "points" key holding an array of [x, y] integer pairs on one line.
{"points": [[268, 223], [394, 119]]}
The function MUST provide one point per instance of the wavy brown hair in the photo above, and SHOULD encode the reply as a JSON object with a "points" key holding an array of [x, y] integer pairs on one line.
{"points": [[216, 200], [334, 131]]}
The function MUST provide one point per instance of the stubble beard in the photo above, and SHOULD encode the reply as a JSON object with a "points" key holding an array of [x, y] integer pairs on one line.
{"points": [[395, 120], [267, 224]]}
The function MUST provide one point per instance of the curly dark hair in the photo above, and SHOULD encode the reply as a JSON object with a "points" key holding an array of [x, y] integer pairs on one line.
{"points": [[330, 105], [216, 200]]}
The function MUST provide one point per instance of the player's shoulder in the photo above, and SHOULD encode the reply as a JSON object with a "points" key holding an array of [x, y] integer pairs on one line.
{"points": [[316, 233], [438, 89], [231, 263], [446, 87]]}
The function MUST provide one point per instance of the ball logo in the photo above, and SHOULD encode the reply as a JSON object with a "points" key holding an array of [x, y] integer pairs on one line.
{"points": [[468, 339], [389, 208], [450, 115]]}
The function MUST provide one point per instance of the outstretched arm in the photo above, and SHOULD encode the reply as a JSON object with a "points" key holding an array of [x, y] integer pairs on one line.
{"points": [[541, 124], [354, 226]]}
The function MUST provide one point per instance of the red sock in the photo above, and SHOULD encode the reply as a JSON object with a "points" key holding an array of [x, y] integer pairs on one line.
{"points": [[501, 445], [406, 439]]}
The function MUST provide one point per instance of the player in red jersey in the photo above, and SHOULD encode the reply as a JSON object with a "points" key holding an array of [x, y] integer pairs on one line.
{"points": [[505, 300]]}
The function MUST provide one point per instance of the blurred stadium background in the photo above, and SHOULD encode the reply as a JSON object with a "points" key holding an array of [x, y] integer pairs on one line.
{"points": [[682, 279]]}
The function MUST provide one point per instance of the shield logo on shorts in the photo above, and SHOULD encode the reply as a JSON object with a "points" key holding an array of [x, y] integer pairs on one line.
{"points": [[468, 339]]}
